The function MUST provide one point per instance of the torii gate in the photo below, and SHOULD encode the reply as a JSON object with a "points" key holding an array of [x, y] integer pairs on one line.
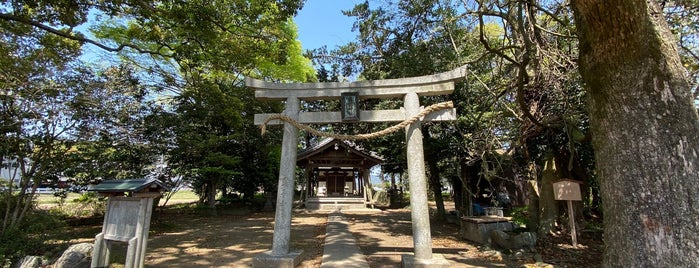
{"points": [[349, 93]]}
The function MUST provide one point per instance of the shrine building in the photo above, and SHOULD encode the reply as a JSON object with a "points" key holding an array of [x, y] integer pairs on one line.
{"points": [[337, 175]]}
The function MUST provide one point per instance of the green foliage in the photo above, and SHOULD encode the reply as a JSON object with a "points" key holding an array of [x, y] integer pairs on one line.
{"points": [[683, 18], [295, 67], [520, 215], [14, 244], [213, 40], [54, 109], [115, 139], [89, 197], [521, 97], [209, 136], [229, 199], [175, 97], [446, 197], [28, 236], [87, 205]]}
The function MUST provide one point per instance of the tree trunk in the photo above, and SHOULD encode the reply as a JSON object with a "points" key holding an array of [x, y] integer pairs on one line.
{"points": [[269, 201], [645, 134], [211, 197], [394, 191], [533, 205], [436, 185], [435, 182], [548, 208], [457, 188]]}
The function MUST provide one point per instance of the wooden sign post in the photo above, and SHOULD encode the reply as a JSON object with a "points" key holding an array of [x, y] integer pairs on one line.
{"points": [[569, 190]]}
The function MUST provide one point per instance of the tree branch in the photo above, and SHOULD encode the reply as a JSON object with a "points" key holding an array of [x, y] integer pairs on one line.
{"points": [[482, 38], [553, 16], [69, 35], [554, 33]]}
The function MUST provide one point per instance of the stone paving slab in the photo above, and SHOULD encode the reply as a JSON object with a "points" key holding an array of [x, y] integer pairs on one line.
{"points": [[340, 248]]}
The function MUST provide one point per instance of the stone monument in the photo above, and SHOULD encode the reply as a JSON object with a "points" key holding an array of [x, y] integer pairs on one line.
{"points": [[127, 219]]}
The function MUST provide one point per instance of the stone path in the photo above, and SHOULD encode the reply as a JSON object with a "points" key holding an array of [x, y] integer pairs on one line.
{"points": [[341, 248]]}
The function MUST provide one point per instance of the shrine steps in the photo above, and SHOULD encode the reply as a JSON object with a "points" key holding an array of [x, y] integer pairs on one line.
{"points": [[335, 203]]}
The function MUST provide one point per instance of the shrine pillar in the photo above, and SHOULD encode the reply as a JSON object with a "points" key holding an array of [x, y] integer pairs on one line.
{"points": [[280, 256], [285, 188], [416, 174], [419, 210]]}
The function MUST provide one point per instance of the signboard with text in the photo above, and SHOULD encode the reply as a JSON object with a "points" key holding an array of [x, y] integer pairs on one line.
{"points": [[567, 190]]}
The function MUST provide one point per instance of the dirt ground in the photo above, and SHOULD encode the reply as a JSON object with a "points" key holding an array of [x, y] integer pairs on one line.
{"points": [[232, 241], [233, 238], [383, 237]]}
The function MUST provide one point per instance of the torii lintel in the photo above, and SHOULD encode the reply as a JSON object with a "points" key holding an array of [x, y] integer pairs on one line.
{"points": [[428, 85]]}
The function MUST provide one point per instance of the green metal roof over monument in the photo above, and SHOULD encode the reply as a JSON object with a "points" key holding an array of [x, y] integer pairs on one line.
{"points": [[131, 185]]}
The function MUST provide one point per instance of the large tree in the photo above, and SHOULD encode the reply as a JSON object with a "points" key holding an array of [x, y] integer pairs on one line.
{"points": [[521, 93], [646, 133], [113, 136], [190, 58], [38, 90]]}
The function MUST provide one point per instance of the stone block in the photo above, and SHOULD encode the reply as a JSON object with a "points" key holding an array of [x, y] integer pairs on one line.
{"points": [[268, 260], [76, 256], [30, 262], [479, 229], [515, 241], [437, 261], [523, 240]]}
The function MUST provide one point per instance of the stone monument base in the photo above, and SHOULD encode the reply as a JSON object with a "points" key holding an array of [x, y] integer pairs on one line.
{"points": [[437, 261], [478, 229], [266, 259]]}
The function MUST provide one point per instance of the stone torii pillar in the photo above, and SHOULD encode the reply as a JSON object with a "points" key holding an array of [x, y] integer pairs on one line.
{"points": [[280, 255], [408, 88], [419, 211], [285, 187]]}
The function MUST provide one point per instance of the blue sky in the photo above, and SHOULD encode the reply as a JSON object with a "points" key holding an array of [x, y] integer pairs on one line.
{"points": [[321, 22]]}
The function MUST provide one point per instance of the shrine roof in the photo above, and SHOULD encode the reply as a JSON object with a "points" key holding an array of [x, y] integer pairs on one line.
{"points": [[320, 152]]}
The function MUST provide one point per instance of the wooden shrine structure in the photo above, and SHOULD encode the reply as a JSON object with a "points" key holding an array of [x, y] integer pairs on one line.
{"points": [[335, 168], [410, 117]]}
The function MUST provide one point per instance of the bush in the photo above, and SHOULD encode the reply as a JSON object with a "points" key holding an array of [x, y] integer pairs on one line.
{"points": [[229, 198], [520, 215], [258, 202], [89, 197], [29, 236], [89, 204]]}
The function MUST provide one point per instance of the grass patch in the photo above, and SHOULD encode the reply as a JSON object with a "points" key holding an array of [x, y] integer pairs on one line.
{"points": [[50, 199], [180, 197]]}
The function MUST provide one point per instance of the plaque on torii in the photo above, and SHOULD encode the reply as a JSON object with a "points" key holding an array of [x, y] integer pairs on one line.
{"points": [[349, 93]]}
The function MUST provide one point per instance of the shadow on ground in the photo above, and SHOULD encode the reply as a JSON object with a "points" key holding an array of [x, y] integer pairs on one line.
{"points": [[182, 238], [383, 237]]}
